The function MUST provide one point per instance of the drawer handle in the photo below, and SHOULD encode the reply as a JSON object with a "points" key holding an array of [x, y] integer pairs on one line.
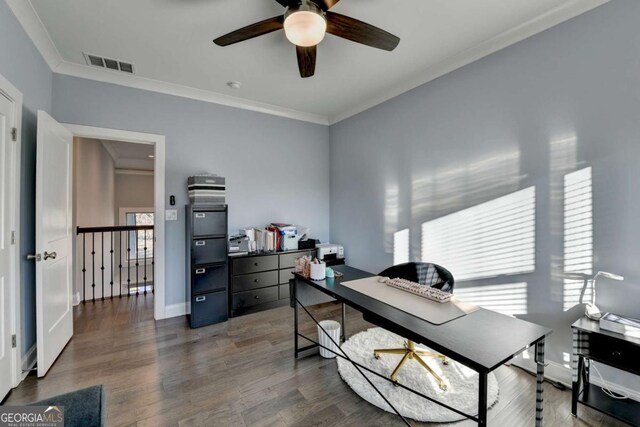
{"points": [[200, 299], [200, 243], [256, 281], [616, 353], [200, 270], [200, 215], [257, 297], [255, 264]]}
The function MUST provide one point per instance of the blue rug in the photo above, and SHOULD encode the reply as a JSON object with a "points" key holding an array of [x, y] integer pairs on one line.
{"points": [[82, 408]]}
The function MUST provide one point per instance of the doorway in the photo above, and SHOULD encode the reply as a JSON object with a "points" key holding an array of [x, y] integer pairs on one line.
{"points": [[129, 259]]}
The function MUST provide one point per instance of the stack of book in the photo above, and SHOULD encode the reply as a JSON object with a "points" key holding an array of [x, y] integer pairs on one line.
{"points": [[206, 190]]}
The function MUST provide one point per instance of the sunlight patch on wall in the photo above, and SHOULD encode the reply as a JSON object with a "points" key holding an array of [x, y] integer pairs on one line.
{"points": [[487, 240], [578, 234], [401, 246], [391, 212], [509, 299]]}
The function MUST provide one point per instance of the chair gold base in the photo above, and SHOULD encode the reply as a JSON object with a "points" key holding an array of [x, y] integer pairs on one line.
{"points": [[410, 352]]}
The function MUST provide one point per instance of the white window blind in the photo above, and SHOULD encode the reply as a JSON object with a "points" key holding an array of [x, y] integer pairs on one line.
{"points": [[578, 234], [401, 246], [509, 299], [486, 240]]}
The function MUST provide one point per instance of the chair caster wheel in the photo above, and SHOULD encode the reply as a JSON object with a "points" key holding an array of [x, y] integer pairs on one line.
{"points": [[396, 384], [443, 387], [377, 356], [445, 362]]}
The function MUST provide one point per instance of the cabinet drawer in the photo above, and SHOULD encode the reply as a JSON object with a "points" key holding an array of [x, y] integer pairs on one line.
{"points": [[255, 264], [283, 291], [289, 260], [622, 354], [286, 275], [208, 251], [255, 280], [254, 297], [209, 223], [208, 308], [207, 279]]}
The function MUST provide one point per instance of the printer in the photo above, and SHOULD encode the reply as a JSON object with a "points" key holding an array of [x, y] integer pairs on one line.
{"points": [[329, 251]]}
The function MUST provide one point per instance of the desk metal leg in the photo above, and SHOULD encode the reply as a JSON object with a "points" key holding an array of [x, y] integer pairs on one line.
{"points": [[539, 382], [482, 398], [295, 317], [343, 338]]}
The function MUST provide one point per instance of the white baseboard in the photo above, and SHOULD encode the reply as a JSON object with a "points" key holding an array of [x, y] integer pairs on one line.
{"points": [[29, 360], [562, 374], [175, 310], [76, 299]]}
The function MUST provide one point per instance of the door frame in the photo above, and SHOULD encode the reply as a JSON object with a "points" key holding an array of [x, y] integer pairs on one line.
{"points": [[81, 131], [11, 92]]}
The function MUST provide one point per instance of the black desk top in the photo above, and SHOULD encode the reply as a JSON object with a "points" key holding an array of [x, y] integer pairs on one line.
{"points": [[593, 326], [482, 340]]}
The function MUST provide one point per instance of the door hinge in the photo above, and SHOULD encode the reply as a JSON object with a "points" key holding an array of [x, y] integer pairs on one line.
{"points": [[14, 134], [13, 341], [13, 237]]}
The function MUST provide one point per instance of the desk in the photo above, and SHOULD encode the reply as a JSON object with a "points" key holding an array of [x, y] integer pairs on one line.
{"points": [[590, 343], [482, 340]]}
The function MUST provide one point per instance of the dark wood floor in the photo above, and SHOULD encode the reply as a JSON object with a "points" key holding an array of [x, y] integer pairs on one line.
{"points": [[240, 372]]}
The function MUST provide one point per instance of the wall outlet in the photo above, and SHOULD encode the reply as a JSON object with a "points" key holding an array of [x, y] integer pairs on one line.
{"points": [[171, 215]]}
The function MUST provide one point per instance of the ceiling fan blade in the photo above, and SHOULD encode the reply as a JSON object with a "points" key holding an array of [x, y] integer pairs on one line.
{"points": [[324, 4], [306, 60], [250, 31], [360, 32]]}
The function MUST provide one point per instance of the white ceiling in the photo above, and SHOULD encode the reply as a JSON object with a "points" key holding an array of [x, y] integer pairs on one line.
{"points": [[170, 41], [127, 155]]}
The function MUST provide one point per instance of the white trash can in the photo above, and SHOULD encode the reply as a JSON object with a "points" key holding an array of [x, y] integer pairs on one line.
{"points": [[333, 329]]}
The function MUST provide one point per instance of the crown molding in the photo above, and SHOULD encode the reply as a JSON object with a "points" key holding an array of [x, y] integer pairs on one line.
{"points": [[569, 9], [35, 29]]}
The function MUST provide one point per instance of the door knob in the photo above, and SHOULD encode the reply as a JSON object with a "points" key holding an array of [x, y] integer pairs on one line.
{"points": [[51, 255], [34, 257]]}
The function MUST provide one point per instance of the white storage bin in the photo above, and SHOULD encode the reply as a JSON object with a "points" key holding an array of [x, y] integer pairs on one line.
{"points": [[333, 329]]}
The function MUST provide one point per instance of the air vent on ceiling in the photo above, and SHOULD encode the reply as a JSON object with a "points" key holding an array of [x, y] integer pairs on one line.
{"points": [[111, 64]]}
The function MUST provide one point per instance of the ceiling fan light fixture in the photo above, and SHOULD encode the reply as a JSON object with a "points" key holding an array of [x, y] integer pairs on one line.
{"points": [[305, 28]]}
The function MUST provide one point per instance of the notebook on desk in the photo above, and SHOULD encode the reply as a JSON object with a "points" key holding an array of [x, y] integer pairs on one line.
{"points": [[430, 311]]}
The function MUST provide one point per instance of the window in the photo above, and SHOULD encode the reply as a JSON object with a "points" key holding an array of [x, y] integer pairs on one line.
{"points": [[578, 234], [487, 240], [401, 246], [509, 299], [138, 240]]}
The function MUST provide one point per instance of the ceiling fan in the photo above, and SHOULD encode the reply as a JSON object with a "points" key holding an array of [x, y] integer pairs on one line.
{"points": [[305, 23]]}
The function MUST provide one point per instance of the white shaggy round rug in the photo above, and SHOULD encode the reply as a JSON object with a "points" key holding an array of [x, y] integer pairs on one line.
{"points": [[462, 382]]}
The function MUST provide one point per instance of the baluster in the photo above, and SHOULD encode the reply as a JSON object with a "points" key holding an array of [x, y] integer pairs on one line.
{"points": [[111, 251], [84, 268], [137, 264], [128, 263], [145, 261], [93, 267], [102, 262], [120, 263]]}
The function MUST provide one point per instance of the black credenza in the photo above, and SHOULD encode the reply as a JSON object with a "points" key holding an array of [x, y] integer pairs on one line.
{"points": [[206, 264], [260, 281]]}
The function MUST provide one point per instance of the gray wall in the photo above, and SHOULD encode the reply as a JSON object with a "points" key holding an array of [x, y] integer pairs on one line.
{"points": [[22, 65], [559, 101], [276, 168], [133, 191], [93, 202]]}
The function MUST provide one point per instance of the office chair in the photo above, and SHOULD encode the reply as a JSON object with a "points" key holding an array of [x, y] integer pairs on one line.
{"points": [[429, 275]]}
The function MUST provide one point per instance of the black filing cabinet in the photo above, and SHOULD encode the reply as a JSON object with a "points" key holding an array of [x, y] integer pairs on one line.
{"points": [[206, 264]]}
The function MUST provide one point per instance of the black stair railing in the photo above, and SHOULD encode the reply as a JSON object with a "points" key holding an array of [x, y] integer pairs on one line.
{"points": [[121, 242]]}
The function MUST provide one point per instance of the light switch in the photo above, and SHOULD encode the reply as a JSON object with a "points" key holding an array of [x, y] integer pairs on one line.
{"points": [[171, 215]]}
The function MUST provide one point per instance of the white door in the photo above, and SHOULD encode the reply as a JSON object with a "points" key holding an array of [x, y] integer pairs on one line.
{"points": [[7, 118], [54, 310]]}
